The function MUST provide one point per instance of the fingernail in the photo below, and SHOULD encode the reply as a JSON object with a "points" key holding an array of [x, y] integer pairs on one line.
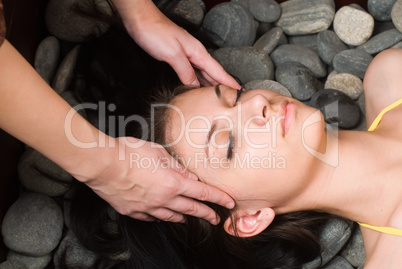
{"points": [[230, 205], [214, 222], [195, 83]]}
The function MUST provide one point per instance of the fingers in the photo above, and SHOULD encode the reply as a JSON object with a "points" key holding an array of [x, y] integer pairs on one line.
{"points": [[194, 208], [142, 216], [166, 214], [203, 192], [184, 69]]}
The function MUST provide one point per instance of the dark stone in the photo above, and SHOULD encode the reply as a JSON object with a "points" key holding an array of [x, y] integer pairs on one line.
{"points": [[47, 58], [353, 61], [190, 11], [38, 173], [270, 40], [328, 45], [308, 41], [230, 25], [333, 237], [380, 9], [74, 253], [265, 10], [66, 19], [382, 26], [305, 56], [65, 71], [354, 251], [29, 261], [381, 41], [300, 81], [245, 63], [337, 107], [33, 225], [12, 265]]}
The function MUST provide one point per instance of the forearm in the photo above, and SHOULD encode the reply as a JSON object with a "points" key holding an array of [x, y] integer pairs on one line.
{"points": [[33, 113]]}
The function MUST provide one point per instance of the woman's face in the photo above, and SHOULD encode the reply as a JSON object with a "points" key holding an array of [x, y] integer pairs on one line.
{"points": [[255, 145]]}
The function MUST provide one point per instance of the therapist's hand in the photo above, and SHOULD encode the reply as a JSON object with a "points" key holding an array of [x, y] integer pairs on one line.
{"points": [[165, 41], [147, 184]]}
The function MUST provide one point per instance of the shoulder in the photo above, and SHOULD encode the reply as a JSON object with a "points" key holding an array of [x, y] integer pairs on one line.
{"points": [[383, 82]]}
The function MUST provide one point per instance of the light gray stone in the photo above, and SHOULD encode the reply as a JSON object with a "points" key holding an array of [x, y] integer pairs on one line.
{"points": [[300, 17], [347, 83], [38, 173], [230, 25], [65, 71], [353, 26], [381, 41], [33, 225], [338, 263], [396, 15], [245, 63], [268, 85], [380, 9], [75, 254], [328, 45], [66, 20], [300, 81], [265, 10], [305, 56], [353, 61], [47, 58], [270, 40], [354, 252], [397, 45], [29, 261]]}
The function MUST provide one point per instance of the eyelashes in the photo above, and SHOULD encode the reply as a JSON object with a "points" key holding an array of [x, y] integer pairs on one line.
{"points": [[231, 146], [238, 94]]}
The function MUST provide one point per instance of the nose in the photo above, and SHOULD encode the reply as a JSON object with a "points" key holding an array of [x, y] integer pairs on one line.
{"points": [[257, 109]]}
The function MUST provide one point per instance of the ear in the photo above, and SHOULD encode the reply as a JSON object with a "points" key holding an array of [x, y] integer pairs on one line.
{"points": [[249, 223]]}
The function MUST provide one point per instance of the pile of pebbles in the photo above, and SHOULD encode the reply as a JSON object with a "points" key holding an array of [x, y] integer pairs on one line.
{"points": [[300, 48]]}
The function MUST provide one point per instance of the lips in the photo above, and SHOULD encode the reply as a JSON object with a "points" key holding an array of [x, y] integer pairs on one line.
{"points": [[290, 112]]}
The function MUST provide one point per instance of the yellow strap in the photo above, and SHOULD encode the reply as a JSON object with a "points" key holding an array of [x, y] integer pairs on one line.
{"points": [[377, 120], [385, 230]]}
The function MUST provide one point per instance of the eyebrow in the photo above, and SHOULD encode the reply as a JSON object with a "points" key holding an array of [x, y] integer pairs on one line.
{"points": [[213, 127]]}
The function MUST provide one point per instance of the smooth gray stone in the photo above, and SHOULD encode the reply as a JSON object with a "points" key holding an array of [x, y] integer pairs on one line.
{"points": [[396, 15], [381, 41], [380, 9], [353, 61], [333, 237], [347, 83], [190, 10], [33, 225], [47, 58], [230, 25], [64, 21], [308, 41], [29, 261], [397, 45], [245, 63], [361, 102], [338, 263], [337, 107], [305, 56], [328, 45], [243, 3], [270, 40], [354, 251], [300, 81], [65, 71], [268, 85], [75, 254], [265, 10], [353, 26], [12, 265], [300, 17], [39, 174]]}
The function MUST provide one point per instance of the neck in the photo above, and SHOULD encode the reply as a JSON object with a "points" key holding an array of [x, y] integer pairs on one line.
{"points": [[354, 187]]}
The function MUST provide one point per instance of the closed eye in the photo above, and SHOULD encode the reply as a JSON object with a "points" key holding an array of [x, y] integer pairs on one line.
{"points": [[238, 94]]}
